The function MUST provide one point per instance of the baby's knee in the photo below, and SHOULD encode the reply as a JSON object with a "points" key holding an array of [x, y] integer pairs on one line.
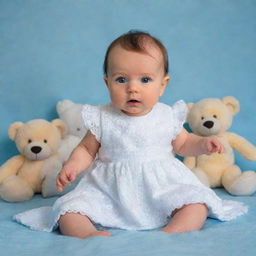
{"points": [[199, 207], [70, 224], [68, 218]]}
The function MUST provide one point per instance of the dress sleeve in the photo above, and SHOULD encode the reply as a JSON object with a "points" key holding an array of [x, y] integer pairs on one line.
{"points": [[91, 118], [179, 116]]}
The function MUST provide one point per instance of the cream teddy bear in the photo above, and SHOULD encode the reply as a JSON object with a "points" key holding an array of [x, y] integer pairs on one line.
{"points": [[30, 172], [212, 117], [71, 114]]}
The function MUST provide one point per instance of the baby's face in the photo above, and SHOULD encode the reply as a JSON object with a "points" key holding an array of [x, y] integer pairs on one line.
{"points": [[135, 80]]}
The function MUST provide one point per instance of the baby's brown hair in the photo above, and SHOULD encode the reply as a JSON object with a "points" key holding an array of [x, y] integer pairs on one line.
{"points": [[134, 40]]}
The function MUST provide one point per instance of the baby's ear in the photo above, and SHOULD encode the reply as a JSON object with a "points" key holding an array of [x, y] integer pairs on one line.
{"points": [[106, 80], [166, 80], [164, 84]]}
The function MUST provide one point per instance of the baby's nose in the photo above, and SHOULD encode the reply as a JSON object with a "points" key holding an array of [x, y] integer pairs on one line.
{"points": [[132, 86]]}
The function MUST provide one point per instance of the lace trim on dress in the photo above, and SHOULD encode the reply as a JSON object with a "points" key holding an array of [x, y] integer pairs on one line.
{"points": [[91, 117], [224, 210], [36, 219], [179, 115]]}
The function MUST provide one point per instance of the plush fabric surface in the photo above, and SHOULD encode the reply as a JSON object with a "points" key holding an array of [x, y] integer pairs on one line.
{"points": [[216, 238]]}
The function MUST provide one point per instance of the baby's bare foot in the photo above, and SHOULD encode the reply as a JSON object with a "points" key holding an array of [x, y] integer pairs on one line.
{"points": [[165, 230], [171, 230], [99, 233]]}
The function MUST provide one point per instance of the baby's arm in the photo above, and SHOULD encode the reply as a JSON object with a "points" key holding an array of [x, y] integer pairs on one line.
{"points": [[81, 157], [189, 144]]}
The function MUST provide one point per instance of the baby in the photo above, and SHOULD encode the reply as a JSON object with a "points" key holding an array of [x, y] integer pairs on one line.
{"points": [[135, 182]]}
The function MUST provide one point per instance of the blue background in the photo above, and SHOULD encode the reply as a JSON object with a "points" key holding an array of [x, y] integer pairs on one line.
{"points": [[52, 50]]}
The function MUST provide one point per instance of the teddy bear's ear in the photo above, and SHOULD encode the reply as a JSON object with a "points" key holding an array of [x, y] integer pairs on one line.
{"points": [[60, 125], [190, 105], [232, 103], [13, 129], [63, 106]]}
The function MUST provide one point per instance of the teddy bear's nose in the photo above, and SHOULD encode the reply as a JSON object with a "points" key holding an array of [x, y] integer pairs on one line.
{"points": [[208, 124], [36, 149]]}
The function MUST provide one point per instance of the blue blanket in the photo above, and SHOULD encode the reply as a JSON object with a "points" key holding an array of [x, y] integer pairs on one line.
{"points": [[237, 237]]}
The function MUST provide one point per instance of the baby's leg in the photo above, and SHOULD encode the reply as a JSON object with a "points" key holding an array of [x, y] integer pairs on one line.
{"points": [[188, 218], [78, 225]]}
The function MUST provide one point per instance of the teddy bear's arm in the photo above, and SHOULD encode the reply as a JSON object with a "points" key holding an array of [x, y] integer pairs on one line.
{"points": [[11, 167], [190, 162], [242, 146]]}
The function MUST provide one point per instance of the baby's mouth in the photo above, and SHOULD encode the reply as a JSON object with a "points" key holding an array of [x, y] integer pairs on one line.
{"points": [[133, 101]]}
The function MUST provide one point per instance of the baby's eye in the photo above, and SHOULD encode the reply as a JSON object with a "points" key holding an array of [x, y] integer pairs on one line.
{"points": [[145, 80], [215, 116], [121, 80]]}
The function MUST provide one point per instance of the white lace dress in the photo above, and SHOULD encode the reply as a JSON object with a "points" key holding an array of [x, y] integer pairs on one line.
{"points": [[135, 182]]}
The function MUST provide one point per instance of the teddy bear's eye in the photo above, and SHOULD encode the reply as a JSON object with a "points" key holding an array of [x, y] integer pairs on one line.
{"points": [[202, 118], [45, 141], [78, 129], [29, 141], [214, 116]]}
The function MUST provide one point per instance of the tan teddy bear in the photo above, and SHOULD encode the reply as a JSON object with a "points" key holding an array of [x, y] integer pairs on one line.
{"points": [[212, 117], [26, 174]]}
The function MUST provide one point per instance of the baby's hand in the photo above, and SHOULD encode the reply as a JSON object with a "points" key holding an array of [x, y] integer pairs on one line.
{"points": [[66, 175], [212, 145]]}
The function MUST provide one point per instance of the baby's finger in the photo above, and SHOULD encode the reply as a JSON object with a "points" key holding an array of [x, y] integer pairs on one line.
{"points": [[218, 148], [210, 147], [214, 149], [222, 149], [59, 188], [71, 177], [59, 185], [216, 145], [63, 179]]}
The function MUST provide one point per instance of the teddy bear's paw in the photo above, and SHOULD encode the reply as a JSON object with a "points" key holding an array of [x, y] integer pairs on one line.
{"points": [[15, 189], [243, 185], [251, 156]]}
